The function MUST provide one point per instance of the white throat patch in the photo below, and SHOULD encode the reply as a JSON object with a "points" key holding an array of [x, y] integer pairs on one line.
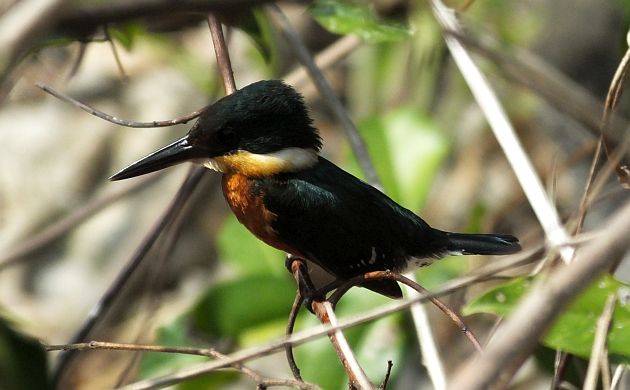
{"points": [[253, 164]]}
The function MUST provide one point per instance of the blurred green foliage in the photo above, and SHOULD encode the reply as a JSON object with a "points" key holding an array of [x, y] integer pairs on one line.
{"points": [[23, 361], [574, 330]]}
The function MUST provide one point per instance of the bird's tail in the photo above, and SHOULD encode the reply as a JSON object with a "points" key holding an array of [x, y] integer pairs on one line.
{"points": [[480, 244]]}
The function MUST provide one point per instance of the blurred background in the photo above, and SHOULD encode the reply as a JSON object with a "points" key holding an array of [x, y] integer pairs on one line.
{"points": [[66, 232]]}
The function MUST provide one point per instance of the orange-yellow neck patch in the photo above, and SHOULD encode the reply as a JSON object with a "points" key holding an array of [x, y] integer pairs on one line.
{"points": [[252, 164]]}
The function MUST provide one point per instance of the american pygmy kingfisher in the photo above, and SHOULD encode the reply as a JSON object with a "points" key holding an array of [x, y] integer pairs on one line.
{"points": [[262, 139]]}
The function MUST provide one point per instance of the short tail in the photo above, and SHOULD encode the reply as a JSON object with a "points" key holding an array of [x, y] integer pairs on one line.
{"points": [[481, 244]]}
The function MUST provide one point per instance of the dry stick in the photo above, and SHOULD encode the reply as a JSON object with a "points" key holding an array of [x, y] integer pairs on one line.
{"points": [[107, 299], [599, 344], [113, 119], [255, 376], [58, 229], [329, 96], [112, 45], [318, 331], [388, 275], [505, 134], [295, 309], [520, 333], [324, 310], [326, 314], [222, 54], [612, 99], [619, 371]]}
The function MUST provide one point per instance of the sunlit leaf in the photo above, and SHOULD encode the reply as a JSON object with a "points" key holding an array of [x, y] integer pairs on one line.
{"points": [[246, 253], [574, 330], [232, 307], [351, 17]]}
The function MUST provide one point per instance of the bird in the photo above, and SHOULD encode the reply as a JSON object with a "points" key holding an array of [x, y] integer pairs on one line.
{"points": [[262, 140]]}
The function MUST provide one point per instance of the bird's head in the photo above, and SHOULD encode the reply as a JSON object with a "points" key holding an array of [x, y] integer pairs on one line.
{"points": [[261, 129]]}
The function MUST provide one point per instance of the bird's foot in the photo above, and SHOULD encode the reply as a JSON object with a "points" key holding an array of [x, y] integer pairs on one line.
{"points": [[309, 293]]}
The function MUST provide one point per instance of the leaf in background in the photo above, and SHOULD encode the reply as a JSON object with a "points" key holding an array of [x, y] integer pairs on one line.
{"points": [[156, 364], [407, 151], [350, 17], [248, 255], [232, 307], [574, 330], [22, 360], [255, 24], [126, 33]]}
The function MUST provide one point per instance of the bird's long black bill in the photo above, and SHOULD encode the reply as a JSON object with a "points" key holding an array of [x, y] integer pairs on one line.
{"points": [[178, 152]]}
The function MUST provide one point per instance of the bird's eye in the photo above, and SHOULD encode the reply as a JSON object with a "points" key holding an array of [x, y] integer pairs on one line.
{"points": [[227, 136]]}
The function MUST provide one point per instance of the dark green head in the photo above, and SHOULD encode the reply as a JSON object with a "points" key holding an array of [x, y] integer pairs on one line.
{"points": [[264, 118]]}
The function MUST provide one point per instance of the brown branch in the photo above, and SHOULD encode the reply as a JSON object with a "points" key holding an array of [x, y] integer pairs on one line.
{"points": [[520, 333], [113, 119], [255, 376], [222, 54], [598, 352], [324, 310], [316, 332], [295, 309], [378, 275]]}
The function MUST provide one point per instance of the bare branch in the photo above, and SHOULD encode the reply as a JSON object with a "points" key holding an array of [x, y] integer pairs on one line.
{"points": [[113, 119], [505, 135], [255, 376], [599, 344], [520, 333]]}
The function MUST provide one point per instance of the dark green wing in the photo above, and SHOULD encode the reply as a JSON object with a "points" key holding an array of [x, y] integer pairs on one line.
{"points": [[342, 223]]}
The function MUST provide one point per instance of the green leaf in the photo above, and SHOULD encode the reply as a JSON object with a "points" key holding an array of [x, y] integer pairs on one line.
{"points": [[22, 360], [230, 308], [349, 17], [126, 33], [407, 151], [248, 255], [574, 330]]}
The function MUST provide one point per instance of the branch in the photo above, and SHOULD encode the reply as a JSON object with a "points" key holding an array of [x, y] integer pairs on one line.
{"points": [[321, 330], [598, 352], [519, 334], [113, 119], [505, 135], [255, 376]]}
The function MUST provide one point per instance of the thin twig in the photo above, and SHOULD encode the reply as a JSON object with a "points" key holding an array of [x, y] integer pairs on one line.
{"points": [[505, 135], [321, 330], [255, 376], [113, 119], [599, 344], [112, 46], [519, 334], [388, 373], [378, 275], [328, 95], [222, 54], [295, 309]]}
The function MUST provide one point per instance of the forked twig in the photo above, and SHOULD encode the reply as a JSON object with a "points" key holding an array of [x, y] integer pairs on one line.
{"points": [[208, 352], [387, 275], [316, 332], [599, 344], [113, 119]]}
